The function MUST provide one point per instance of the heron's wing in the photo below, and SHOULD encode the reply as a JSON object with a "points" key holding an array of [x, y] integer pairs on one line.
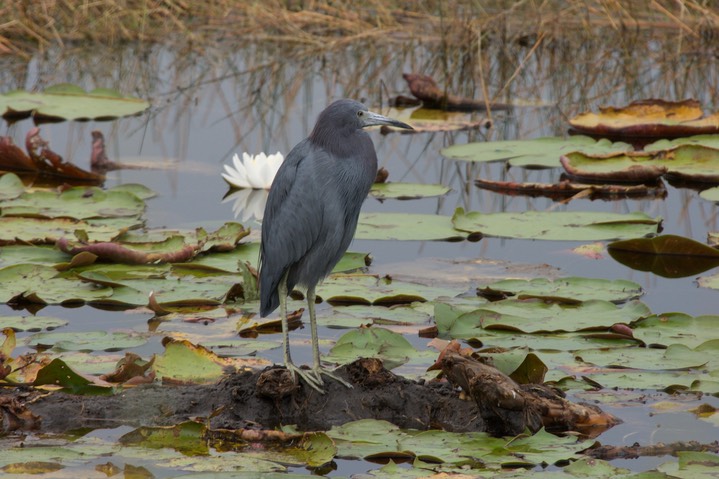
{"points": [[292, 219]]}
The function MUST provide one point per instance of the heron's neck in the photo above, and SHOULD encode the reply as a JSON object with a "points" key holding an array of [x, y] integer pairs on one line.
{"points": [[342, 144]]}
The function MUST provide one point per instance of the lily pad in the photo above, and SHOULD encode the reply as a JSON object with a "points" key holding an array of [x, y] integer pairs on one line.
{"points": [[88, 341], [570, 288], [14, 230], [369, 289], [184, 361], [57, 373], [622, 167], [40, 254], [31, 323], [406, 227], [392, 348], [42, 284], [676, 328], [356, 315], [648, 118], [10, 186], [534, 316], [76, 203], [694, 163], [676, 357], [541, 152], [710, 194], [407, 191], [70, 102], [557, 225], [669, 256]]}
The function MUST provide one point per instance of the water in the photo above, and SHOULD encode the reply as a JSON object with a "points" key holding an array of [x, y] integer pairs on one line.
{"points": [[232, 99]]}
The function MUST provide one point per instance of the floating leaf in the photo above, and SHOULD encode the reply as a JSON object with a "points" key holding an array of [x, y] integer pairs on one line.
{"points": [[369, 289], [648, 118], [88, 340], [710, 194], [42, 284], [187, 438], [557, 225], [669, 256], [623, 167], [356, 315], [675, 357], [695, 163], [540, 152], [78, 203], [533, 316], [187, 362], [392, 348], [10, 187], [70, 102], [406, 227], [31, 323], [407, 191], [571, 288], [676, 328], [57, 373], [14, 230]]}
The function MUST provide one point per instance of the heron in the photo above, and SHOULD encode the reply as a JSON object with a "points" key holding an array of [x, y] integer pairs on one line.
{"points": [[311, 215]]}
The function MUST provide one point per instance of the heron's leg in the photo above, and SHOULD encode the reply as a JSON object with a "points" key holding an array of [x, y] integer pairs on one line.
{"points": [[317, 367], [309, 378]]}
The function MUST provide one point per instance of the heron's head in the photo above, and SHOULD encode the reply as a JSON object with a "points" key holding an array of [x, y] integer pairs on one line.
{"points": [[346, 116]]}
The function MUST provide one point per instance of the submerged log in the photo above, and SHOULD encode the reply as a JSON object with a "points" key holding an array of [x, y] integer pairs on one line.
{"points": [[426, 89]]}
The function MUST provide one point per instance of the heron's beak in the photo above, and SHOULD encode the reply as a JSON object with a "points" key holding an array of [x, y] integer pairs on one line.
{"points": [[371, 119]]}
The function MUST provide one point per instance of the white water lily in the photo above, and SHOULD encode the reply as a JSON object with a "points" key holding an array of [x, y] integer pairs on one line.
{"points": [[247, 203], [253, 171]]}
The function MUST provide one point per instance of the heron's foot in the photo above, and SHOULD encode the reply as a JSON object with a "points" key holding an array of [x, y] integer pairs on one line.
{"points": [[322, 371], [310, 376]]}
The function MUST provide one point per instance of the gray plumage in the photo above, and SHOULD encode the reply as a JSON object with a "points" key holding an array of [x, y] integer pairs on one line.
{"points": [[312, 210]]}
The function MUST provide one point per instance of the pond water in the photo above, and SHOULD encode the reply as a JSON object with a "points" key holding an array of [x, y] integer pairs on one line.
{"points": [[210, 104]]}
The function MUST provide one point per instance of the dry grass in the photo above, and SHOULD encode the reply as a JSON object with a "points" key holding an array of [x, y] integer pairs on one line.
{"points": [[328, 24]]}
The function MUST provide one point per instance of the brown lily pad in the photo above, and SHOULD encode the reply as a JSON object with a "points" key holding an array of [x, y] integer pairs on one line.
{"points": [[567, 188], [669, 256], [650, 118]]}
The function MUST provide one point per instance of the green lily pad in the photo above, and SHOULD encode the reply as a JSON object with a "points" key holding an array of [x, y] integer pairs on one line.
{"points": [[188, 290], [534, 316], [676, 357], [711, 282], [42, 284], [557, 225], [57, 373], [356, 315], [697, 163], [379, 439], [31, 323], [187, 438], [623, 167], [141, 191], [570, 288], [18, 254], [407, 227], [392, 348], [77, 203], [692, 465], [711, 141], [676, 328], [369, 289], [184, 361], [88, 341], [541, 152], [710, 194], [407, 191], [14, 230], [70, 102], [11, 186]]}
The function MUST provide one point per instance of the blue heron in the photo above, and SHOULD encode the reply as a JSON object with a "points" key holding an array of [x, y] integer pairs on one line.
{"points": [[311, 214]]}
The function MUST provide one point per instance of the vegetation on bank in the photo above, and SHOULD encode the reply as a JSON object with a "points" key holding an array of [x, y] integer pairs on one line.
{"points": [[27, 26]]}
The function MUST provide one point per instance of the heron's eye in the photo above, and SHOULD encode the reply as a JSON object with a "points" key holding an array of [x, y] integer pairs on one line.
{"points": [[360, 113]]}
